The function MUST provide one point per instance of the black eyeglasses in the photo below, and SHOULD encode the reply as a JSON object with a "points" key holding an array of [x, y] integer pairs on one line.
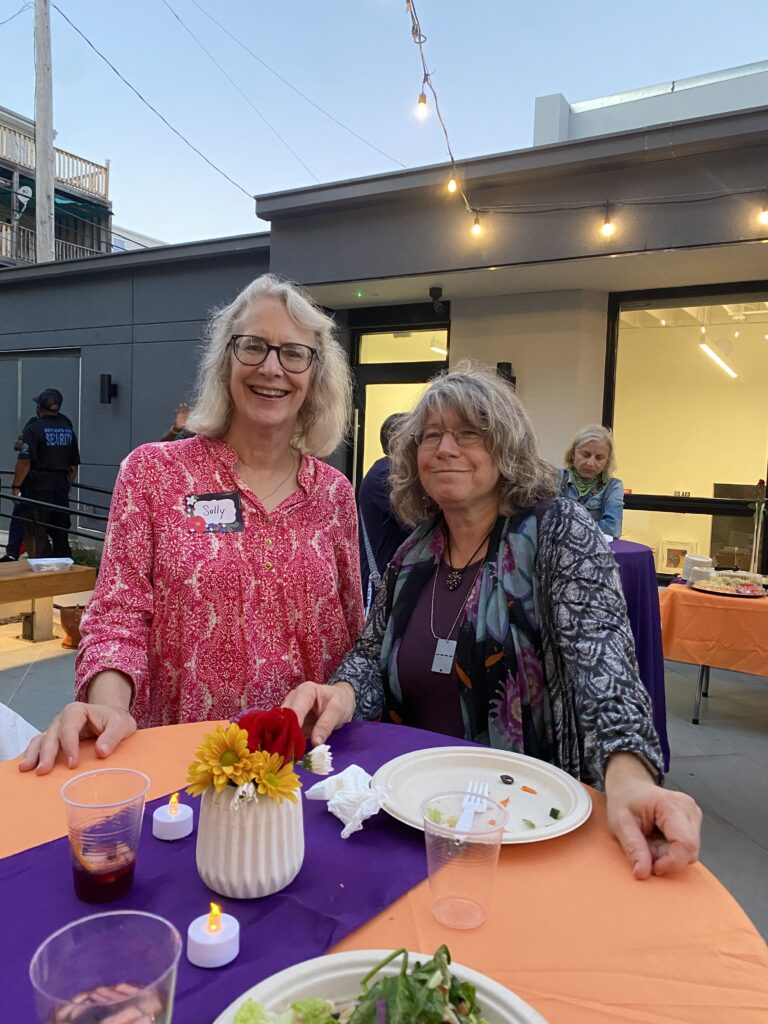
{"points": [[252, 351]]}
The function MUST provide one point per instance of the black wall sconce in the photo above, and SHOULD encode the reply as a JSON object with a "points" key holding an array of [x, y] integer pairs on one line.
{"points": [[107, 390], [504, 370]]}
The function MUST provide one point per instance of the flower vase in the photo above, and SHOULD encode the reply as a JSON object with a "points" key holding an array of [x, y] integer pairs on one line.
{"points": [[252, 850]]}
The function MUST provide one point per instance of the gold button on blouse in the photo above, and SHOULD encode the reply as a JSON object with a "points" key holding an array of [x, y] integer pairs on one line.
{"points": [[268, 542], [267, 565]]}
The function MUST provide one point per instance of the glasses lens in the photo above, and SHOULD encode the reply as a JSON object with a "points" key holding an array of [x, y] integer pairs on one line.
{"points": [[429, 439], [467, 438], [295, 357], [251, 350]]}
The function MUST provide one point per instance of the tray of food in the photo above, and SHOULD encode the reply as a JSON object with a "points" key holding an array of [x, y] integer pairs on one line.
{"points": [[730, 586]]}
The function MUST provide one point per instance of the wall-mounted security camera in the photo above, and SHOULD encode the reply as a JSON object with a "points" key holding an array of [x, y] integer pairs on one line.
{"points": [[436, 294]]}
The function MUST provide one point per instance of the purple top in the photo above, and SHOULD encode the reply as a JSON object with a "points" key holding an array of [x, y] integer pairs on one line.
{"points": [[431, 699]]}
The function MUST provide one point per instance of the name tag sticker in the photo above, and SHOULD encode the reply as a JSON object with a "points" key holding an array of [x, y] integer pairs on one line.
{"points": [[214, 513]]}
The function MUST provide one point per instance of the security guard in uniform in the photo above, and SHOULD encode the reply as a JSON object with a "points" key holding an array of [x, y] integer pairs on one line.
{"points": [[47, 467]]}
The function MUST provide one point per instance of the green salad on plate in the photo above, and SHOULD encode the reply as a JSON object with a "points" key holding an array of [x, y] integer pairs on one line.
{"points": [[424, 993]]}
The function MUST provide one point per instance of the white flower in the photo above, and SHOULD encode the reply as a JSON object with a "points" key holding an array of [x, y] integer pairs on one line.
{"points": [[319, 761], [243, 795]]}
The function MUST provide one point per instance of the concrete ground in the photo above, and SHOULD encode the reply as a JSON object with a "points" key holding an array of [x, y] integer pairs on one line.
{"points": [[722, 763]]}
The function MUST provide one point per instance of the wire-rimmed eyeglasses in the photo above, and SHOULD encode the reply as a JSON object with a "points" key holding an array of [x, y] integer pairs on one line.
{"points": [[467, 437], [252, 351]]}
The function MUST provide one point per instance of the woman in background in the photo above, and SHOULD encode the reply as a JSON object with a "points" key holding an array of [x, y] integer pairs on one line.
{"points": [[587, 478]]}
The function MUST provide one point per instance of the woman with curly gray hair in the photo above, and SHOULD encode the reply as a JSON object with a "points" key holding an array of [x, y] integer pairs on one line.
{"points": [[501, 619], [230, 570]]}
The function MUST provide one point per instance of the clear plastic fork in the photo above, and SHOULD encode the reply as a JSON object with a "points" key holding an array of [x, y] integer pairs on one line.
{"points": [[473, 803]]}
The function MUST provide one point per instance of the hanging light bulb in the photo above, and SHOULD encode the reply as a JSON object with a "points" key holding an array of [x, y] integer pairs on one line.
{"points": [[452, 186], [476, 229], [762, 217], [608, 229], [422, 110]]}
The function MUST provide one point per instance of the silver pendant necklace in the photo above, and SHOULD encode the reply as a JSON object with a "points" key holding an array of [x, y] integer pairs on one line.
{"points": [[445, 648]]}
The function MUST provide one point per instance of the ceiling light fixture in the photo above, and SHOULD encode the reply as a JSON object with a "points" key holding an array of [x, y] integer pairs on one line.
{"points": [[716, 358], [608, 229]]}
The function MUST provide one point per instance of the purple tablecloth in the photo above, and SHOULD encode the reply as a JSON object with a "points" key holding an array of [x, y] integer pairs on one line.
{"points": [[638, 581], [342, 884]]}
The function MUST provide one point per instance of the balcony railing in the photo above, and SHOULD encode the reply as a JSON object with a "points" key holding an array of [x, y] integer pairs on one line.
{"points": [[19, 246], [17, 148]]}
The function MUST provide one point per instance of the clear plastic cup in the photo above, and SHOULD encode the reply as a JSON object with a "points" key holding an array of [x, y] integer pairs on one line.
{"points": [[104, 814], [107, 969], [461, 865]]}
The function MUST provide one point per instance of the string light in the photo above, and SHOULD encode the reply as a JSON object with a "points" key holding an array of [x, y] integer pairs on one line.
{"points": [[452, 185], [762, 217], [422, 110], [476, 229], [608, 229]]}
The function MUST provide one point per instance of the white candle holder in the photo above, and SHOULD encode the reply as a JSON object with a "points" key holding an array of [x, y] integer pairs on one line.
{"points": [[213, 940], [173, 820]]}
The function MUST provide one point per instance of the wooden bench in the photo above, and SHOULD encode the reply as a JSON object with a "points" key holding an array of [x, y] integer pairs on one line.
{"points": [[19, 583]]}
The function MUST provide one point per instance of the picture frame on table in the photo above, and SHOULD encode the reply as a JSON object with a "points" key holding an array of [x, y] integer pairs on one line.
{"points": [[672, 555]]}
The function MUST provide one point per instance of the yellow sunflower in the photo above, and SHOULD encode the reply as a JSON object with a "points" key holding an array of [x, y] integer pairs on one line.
{"points": [[276, 779], [222, 757]]}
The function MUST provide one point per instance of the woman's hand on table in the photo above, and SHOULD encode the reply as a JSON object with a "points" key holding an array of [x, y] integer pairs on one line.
{"points": [[321, 709], [658, 829], [78, 721], [104, 716]]}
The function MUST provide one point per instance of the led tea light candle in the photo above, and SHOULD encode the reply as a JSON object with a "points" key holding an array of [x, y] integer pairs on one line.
{"points": [[213, 939], [174, 821]]}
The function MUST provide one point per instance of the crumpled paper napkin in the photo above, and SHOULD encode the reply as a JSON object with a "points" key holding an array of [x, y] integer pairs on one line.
{"points": [[350, 797]]}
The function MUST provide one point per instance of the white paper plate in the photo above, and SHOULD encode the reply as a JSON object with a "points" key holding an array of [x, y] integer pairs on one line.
{"points": [[339, 975], [408, 780]]}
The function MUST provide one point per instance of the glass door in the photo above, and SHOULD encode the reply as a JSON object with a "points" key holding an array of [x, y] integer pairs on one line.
{"points": [[392, 369]]}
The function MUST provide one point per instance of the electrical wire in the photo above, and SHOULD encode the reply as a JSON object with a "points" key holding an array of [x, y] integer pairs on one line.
{"points": [[245, 96], [298, 91], [154, 110], [24, 7], [419, 39]]}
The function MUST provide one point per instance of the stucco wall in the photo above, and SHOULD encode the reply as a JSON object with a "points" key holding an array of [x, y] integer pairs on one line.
{"points": [[556, 344]]}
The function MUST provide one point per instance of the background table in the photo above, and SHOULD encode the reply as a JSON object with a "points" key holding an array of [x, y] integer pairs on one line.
{"points": [[638, 581], [571, 931], [714, 631]]}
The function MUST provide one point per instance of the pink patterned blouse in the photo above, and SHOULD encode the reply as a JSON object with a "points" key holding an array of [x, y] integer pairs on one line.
{"points": [[206, 618]]}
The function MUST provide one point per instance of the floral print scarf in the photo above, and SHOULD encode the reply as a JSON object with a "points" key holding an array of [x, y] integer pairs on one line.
{"points": [[499, 663]]}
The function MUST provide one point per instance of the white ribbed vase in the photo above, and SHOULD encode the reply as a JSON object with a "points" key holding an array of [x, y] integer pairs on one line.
{"points": [[253, 851]]}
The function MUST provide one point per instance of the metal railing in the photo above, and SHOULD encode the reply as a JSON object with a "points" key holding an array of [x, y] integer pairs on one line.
{"points": [[72, 170]]}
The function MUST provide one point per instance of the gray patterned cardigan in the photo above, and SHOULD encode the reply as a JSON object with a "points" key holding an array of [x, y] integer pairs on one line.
{"points": [[599, 705]]}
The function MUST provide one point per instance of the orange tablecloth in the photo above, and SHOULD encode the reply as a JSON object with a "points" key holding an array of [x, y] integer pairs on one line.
{"points": [[715, 630], [571, 931]]}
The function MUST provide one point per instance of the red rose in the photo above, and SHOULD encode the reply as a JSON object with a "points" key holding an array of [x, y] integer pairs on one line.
{"points": [[197, 523], [277, 731]]}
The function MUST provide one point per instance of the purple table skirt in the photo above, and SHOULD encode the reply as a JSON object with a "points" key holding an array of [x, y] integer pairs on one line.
{"points": [[638, 581], [342, 884]]}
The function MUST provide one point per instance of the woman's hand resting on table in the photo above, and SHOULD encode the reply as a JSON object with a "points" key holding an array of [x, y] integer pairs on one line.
{"points": [[658, 829], [105, 717], [321, 709]]}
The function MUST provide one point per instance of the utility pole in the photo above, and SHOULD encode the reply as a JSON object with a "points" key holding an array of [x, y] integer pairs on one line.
{"points": [[44, 222]]}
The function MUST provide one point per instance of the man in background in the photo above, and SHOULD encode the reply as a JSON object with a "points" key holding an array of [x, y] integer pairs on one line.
{"points": [[46, 469], [381, 533]]}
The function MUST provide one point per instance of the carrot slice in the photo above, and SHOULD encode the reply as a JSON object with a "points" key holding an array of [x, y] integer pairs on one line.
{"points": [[504, 803], [527, 789]]}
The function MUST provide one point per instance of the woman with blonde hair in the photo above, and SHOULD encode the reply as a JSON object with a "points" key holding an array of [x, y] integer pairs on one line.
{"points": [[588, 478], [501, 619], [230, 570]]}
